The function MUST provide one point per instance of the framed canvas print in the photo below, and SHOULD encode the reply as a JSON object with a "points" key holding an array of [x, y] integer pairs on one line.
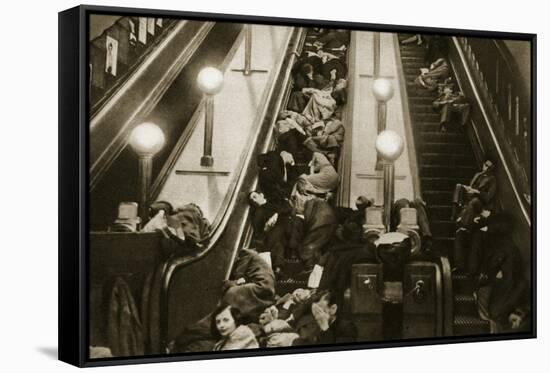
{"points": [[234, 186]]}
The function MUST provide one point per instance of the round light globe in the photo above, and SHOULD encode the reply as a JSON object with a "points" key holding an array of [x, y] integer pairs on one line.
{"points": [[382, 89], [389, 145], [147, 139], [210, 80]]}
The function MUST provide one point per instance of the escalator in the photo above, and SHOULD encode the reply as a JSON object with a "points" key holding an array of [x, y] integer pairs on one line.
{"points": [[444, 160], [161, 89], [198, 277], [161, 278]]}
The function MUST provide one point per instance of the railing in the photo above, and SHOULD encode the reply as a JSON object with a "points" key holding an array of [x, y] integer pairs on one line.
{"points": [[245, 180], [490, 137], [344, 163], [508, 94], [118, 51], [448, 296], [409, 133]]}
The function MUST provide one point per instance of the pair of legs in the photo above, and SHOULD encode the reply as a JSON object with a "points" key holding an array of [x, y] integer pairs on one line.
{"points": [[415, 38], [469, 250], [309, 245]]}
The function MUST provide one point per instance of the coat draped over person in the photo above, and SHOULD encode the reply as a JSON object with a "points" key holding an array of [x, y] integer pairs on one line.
{"points": [[241, 338], [503, 285], [258, 290], [323, 180], [125, 329], [334, 39], [194, 225], [312, 233], [321, 104], [330, 137], [436, 74]]}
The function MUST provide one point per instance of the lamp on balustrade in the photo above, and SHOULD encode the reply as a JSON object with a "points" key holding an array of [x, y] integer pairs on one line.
{"points": [[210, 81], [146, 140], [389, 147], [382, 89]]}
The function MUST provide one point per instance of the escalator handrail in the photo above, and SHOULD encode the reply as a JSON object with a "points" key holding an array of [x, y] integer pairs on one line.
{"points": [[448, 296], [409, 133], [345, 161], [177, 264], [245, 229], [100, 162]]}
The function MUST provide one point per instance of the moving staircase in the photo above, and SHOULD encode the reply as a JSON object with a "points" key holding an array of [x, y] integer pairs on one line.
{"points": [[444, 160]]}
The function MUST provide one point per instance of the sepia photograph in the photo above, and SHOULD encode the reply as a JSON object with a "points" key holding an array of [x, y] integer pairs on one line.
{"points": [[289, 186]]}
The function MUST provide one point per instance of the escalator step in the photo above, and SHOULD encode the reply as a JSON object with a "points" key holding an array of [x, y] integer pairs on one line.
{"points": [[421, 108], [446, 171], [426, 117], [443, 184], [465, 304], [470, 325], [445, 148], [463, 284], [288, 285], [442, 228], [424, 100], [444, 137], [450, 159], [412, 53], [437, 197]]}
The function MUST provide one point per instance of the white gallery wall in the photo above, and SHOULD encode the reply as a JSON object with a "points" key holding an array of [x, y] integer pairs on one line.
{"points": [[28, 156]]}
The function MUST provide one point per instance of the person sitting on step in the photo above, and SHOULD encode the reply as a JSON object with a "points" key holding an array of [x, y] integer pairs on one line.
{"points": [[271, 222], [478, 196], [451, 105], [476, 202], [429, 78]]}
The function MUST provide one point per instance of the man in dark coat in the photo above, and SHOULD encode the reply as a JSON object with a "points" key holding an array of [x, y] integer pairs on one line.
{"points": [[271, 222], [478, 200], [276, 176], [325, 325], [251, 288], [503, 284], [478, 196], [313, 228], [451, 105]]}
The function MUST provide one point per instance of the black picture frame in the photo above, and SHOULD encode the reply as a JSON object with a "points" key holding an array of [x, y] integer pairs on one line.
{"points": [[74, 180]]}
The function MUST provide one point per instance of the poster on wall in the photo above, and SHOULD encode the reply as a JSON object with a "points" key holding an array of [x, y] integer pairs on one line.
{"points": [[159, 22], [111, 56], [142, 30], [132, 36], [151, 26]]}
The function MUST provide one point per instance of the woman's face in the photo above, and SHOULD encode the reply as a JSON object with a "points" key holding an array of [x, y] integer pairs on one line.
{"points": [[225, 322], [487, 166], [257, 198]]}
